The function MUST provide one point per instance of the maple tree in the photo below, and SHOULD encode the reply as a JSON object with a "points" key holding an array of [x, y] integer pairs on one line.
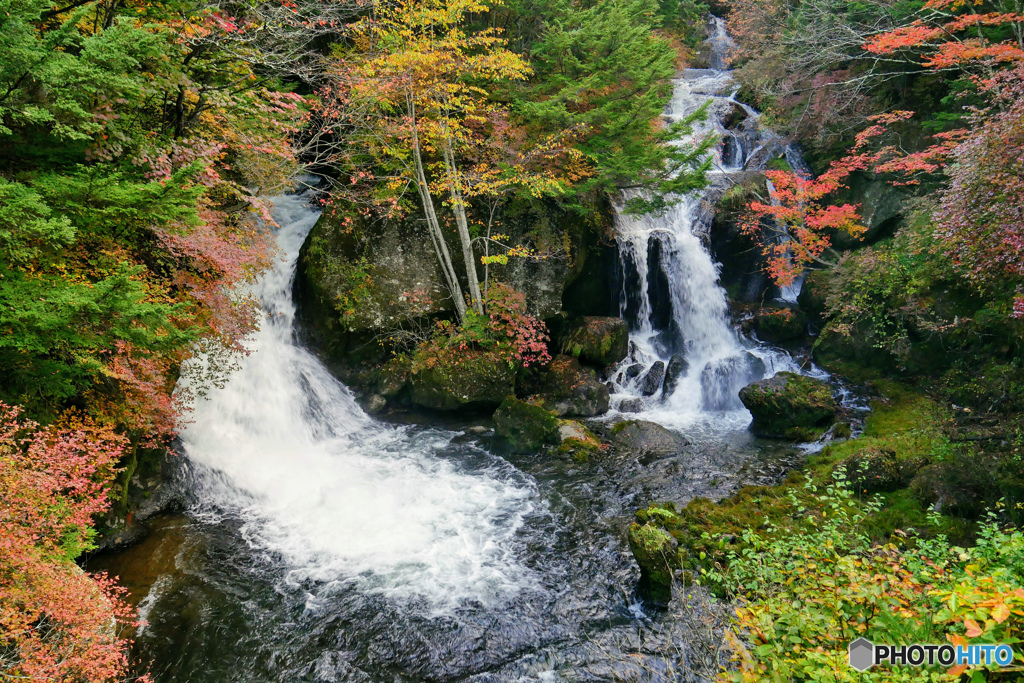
{"points": [[796, 222], [981, 215], [58, 623]]}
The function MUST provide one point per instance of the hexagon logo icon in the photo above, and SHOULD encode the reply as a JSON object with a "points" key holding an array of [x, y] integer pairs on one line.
{"points": [[862, 654]]}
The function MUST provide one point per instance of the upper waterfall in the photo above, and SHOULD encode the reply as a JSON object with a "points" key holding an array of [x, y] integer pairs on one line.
{"points": [[685, 359]]}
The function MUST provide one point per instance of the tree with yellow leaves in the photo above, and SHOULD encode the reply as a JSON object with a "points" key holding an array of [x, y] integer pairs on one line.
{"points": [[410, 100]]}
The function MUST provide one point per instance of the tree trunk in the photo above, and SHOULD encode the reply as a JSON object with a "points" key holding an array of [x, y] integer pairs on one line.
{"points": [[459, 208], [433, 226]]}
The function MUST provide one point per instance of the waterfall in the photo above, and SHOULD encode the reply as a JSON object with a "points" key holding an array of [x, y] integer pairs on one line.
{"points": [[284, 451], [686, 361]]}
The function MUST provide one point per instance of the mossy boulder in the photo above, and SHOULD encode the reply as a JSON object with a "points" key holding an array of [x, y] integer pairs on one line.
{"points": [[473, 380], [577, 441], [572, 390], [597, 340], [656, 551], [645, 439], [855, 355], [879, 470], [780, 324], [790, 406], [525, 427]]}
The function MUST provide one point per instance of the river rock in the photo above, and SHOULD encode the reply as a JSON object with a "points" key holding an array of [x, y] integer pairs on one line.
{"points": [[374, 404], [677, 367], [572, 390], [722, 379], [577, 441], [526, 427], [472, 380], [656, 552], [651, 381], [644, 439], [780, 324], [599, 340], [790, 406], [631, 405]]}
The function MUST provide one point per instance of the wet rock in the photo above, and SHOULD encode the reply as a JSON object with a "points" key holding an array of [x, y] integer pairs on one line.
{"points": [[525, 427], [374, 404], [572, 390], [474, 380], [677, 367], [780, 324], [598, 340], [651, 381], [634, 370], [721, 380], [790, 406], [631, 405], [878, 470], [571, 430], [644, 439], [656, 552], [393, 377], [577, 441]]}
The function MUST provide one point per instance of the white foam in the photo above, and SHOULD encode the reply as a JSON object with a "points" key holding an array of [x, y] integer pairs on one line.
{"points": [[335, 494]]}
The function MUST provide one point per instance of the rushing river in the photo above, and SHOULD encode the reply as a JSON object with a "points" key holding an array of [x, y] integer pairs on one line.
{"points": [[320, 544]]}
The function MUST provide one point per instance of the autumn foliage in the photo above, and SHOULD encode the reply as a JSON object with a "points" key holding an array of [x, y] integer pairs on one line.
{"points": [[58, 624]]}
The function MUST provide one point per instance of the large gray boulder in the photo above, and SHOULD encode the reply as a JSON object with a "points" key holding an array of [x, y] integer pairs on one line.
{"points": [[645, 439]]}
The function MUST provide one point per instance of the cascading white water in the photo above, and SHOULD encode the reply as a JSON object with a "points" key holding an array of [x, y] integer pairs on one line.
{"points": [[339, 497], [707, 363]]}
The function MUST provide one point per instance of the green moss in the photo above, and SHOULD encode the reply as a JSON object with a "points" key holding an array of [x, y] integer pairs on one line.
{"points": [[526, 427], [903, 422], [472, 379], [790, 405], [779, 164]]}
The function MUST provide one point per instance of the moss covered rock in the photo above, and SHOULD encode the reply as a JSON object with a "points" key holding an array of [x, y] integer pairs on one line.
{"points": [[473, 380], [656, 551], [525, 427], [879, 470], [577, 441], [813, 297], [572, 390], [790, 406], [780, 324], [598, 340]]}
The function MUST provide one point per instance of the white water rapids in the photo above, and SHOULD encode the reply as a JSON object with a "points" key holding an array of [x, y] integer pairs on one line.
{"points": [[284, 448]]}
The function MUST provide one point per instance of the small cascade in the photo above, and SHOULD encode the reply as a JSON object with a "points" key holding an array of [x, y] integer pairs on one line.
{"points": [[686, 362]]}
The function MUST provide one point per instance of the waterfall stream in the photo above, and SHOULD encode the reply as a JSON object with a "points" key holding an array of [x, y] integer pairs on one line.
{"points": [[285, 448], [686, 363]]}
